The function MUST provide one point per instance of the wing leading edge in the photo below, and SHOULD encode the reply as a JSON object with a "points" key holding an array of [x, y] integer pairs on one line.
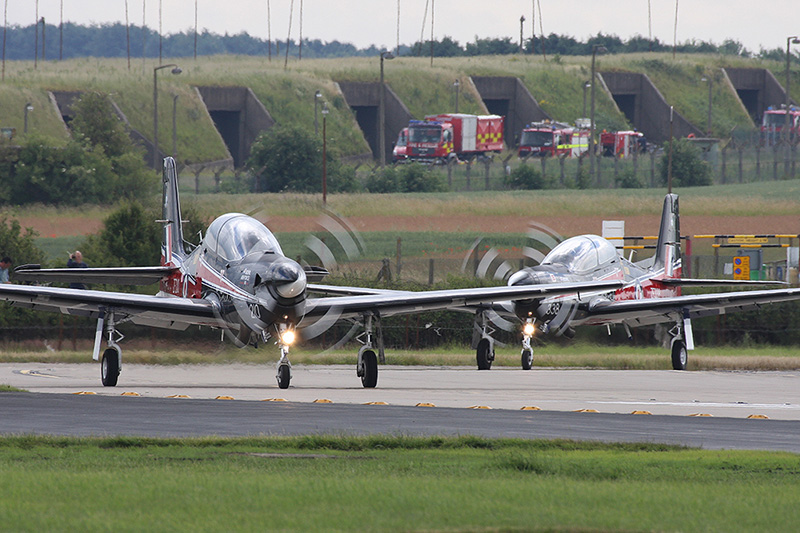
{"points": [[648, 311]]}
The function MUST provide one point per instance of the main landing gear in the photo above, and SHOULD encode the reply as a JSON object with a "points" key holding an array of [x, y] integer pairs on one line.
{"points": [[484, 347], [111, 363], [526, 357], [682, 340], [367, 366]]}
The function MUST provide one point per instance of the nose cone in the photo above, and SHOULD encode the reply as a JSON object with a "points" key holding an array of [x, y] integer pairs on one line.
{"points": [[288, 278]]}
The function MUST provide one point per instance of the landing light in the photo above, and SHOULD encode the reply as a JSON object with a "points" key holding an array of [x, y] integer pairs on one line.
{"points": [[528, 329], [288, 337]]}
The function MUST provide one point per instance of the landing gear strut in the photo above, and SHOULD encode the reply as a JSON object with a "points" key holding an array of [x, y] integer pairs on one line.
{"points": [[526, 357], [284, 375], [682, 340], [484, 348], [367, 366], [111, 363]]}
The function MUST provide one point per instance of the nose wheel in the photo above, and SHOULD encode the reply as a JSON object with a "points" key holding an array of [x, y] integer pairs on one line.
{"points": [[284, 375]]}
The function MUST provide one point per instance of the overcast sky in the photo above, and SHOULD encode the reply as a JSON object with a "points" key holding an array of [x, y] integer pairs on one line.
{"points": [[366, 22]]}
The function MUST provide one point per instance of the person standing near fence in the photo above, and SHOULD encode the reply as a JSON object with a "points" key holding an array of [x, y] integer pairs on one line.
{"points": [[76, 261]]}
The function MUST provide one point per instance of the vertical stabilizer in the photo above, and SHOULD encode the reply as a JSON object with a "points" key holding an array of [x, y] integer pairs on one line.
{"points": [[172, 242], [668, 249]]}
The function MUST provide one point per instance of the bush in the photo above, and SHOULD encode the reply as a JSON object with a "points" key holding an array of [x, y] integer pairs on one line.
{"points": [[688, 167], [289, 158], [525, 176], [405, 178], [629, 180]]}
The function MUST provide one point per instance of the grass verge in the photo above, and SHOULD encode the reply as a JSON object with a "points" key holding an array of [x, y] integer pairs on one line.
{"points": [[389, 483], [576, 355]]}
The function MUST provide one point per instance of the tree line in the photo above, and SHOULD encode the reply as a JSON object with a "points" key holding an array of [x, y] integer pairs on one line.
{"points": [[71, 40]]}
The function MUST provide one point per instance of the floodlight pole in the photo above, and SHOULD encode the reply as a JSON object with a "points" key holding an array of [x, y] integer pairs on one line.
{"points": [[595, 49], [382, 112], [786, 124], [175, 70]]}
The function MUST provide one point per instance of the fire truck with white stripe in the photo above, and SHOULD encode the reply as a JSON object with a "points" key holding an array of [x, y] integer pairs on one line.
{"points": [[547, 139], [454, 136]]}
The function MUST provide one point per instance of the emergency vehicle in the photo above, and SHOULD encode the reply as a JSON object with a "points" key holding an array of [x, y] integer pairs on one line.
{"points": [[445, 137], [399, 150], [622, 143], [773, 122], [544, 139]]}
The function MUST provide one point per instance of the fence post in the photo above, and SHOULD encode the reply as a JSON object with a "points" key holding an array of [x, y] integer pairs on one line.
{"points": [[653, 168], [563, 175], [724, 163], [616, 172], [469, 173], [487, 163], [775, 162], [430, 271], [758, 161], [399, 257], [740, 149], [450, 174]]}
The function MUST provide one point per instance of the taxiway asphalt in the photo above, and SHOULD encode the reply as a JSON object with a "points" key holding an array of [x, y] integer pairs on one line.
{"points": [[224, 400]]}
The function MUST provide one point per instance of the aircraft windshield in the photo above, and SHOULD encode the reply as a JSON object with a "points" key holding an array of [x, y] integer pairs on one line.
{"points": [[233, 236], [425, 134], [536, 138], [582, 253], [402, 138]]}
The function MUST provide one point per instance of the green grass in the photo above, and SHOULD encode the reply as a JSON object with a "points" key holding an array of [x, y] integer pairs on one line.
{"points": [[389, 483], [572, 355]]}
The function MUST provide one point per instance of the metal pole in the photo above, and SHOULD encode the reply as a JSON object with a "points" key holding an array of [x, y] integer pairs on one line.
{"points": [[175, 70], [28, 107], [175, 127], [457, 85], [317, 96], [521, 46], [786, 124], [595, 48], [324, 154], [586, 85], [708, 128], [382, 112]]}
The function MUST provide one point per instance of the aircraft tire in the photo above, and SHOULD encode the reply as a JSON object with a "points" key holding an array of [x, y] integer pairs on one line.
{"points": [[483, 355], [109, 367], [370, 361], [679, 355], [284, 376], [527, 359]]}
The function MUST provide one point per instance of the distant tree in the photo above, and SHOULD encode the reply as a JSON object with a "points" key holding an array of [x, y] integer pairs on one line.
{"points": [[289, 158], [688, 167], [96, 121]]}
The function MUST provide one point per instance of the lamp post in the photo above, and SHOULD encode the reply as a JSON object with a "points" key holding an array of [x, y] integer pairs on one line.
{"points": [[786, 129], [28, 107], [382, 111], [317, 96], [324, 153], [708, 123], [596, 48], [586, 85], [521, 22], [175, 70], [175, 126], [456, 86]]}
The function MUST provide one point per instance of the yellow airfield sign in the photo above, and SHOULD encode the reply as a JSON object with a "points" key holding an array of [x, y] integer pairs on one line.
{"points": [[741, 267]]}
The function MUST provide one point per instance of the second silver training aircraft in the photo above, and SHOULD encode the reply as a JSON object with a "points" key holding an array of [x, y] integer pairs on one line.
{"points": [[239, 280]]}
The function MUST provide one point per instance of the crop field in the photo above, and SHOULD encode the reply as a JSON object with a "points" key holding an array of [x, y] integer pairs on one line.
{"points": [[389, 483]]}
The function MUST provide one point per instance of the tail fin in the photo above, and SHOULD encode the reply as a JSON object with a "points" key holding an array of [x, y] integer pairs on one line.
{"points": [[172, 241], [668, 249]]}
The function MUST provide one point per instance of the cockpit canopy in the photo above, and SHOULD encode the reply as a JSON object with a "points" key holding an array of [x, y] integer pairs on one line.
{"points": [[233, 236], [582, 253]]}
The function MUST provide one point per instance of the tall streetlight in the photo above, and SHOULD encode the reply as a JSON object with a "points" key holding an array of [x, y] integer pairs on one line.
{"points": [[456, 87], [382, 111], [521, 22], [28, 107], [789, 41], [708, 123], [175, 70], [324, 153], [596, 48], [586, 85], [317, 96]]}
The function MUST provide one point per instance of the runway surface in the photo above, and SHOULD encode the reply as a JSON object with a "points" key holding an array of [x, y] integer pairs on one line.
{"points": [[445, 395]]}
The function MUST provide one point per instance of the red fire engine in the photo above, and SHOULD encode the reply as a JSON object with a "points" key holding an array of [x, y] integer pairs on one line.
{"points": [[774, 121], [622, 143], [543, 139], [441, 138], [399, 150]]}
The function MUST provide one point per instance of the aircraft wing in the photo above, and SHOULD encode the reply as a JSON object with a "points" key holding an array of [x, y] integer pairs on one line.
{"points": [[157, 311], [648, 311], [113, 276], [341, 290], [404, 302]]}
